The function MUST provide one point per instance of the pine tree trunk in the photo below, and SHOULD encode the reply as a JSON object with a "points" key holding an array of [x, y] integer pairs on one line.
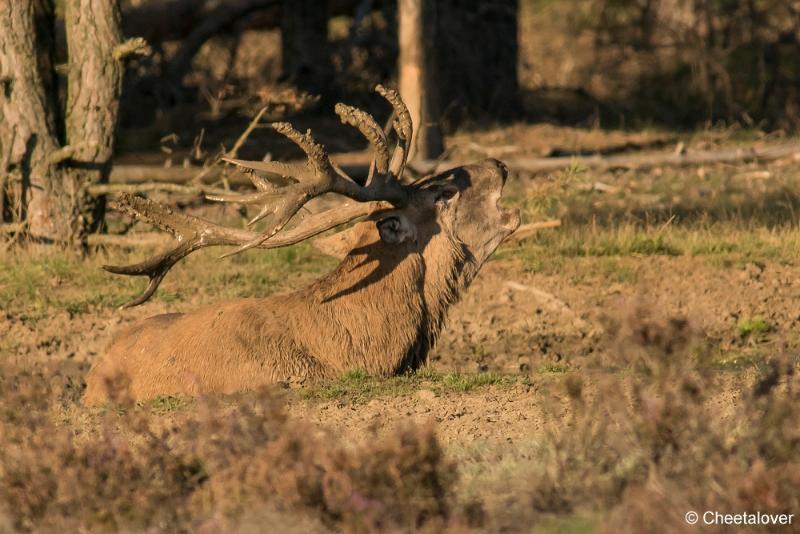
{"points": [[28, 132], [94, 32], [46, 186], [417, 73]]}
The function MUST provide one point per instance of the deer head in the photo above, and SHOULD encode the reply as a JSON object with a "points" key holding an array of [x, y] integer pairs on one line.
{"points": [[459, 207]]}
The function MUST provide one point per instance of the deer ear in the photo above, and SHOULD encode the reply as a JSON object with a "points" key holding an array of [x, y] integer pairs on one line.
{"points": [[395, 229], [445, 195]]}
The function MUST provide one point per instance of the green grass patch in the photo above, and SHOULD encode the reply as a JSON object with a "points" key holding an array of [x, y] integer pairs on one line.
{"points": [[553, 368], [753, 326], [164, 404], [467, 382]]}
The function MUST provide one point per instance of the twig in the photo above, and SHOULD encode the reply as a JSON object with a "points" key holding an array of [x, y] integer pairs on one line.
{"points": [[136, 174], [605, 188], [234, 151], [67, 152], [527, 230], [666, 225], [135, 45]]}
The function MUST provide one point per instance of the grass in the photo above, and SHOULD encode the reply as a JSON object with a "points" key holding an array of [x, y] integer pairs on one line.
{"points": [[753, 326], [738, 359], [32, 283], [164, 404], [612, 253], [553, 368]]}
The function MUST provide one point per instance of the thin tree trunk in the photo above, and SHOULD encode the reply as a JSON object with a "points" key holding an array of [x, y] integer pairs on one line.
{"points": [[417, 75], [94, 33], [27, 116]]}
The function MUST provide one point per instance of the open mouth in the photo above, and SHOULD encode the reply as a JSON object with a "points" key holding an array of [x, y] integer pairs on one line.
{"points": [[509, 217]]}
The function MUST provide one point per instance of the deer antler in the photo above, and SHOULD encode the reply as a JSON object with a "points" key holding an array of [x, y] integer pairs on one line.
{"points": [[281, 200]]}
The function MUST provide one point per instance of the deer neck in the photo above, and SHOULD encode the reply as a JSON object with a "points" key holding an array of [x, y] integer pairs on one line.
{"points": [[383, 307]]}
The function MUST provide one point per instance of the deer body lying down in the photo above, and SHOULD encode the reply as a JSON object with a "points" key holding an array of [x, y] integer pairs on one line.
{"points": [[380, 310]]}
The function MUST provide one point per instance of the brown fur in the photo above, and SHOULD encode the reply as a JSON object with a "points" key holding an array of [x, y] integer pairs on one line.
{"points": [[380, 310]]}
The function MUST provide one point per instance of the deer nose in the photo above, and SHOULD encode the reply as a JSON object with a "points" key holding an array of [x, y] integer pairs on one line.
{"points": [[503, 170]]}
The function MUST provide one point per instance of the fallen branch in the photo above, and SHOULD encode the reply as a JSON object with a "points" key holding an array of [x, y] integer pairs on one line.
{"points": [[633, 161], [138, 174], [357, 165], [527, 230]]}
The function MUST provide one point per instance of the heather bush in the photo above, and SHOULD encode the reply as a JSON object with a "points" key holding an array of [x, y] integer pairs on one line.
{"points": [[644, 455], [218, 466]]}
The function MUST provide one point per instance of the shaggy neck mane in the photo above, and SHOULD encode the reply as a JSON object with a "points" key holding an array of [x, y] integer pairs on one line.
{"points": [[385, 305]]}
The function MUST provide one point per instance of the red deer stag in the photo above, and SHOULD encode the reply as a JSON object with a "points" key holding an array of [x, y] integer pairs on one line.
{"points": [[417, 248]]}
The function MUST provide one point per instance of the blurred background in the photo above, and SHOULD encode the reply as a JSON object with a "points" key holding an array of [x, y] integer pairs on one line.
{"points": [[172, 84], [675, 64]]}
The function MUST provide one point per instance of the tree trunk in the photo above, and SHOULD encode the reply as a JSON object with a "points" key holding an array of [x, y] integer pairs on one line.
{"points": [[49, 179], [94, 85], [304, 44], [417, 72], [28, 132]]}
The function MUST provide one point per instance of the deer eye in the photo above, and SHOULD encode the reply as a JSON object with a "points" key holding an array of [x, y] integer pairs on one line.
{"points": [[445, 194], [395, 230]]}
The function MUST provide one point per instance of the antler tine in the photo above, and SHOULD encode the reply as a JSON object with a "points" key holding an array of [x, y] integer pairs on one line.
{"points": [[369, 128], [403, 127], [194, 233], [317, 177]]}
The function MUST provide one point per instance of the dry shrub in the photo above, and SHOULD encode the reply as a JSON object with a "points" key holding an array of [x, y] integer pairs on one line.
{"points": [[217, 467], [399, 481], [646, 453]]}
